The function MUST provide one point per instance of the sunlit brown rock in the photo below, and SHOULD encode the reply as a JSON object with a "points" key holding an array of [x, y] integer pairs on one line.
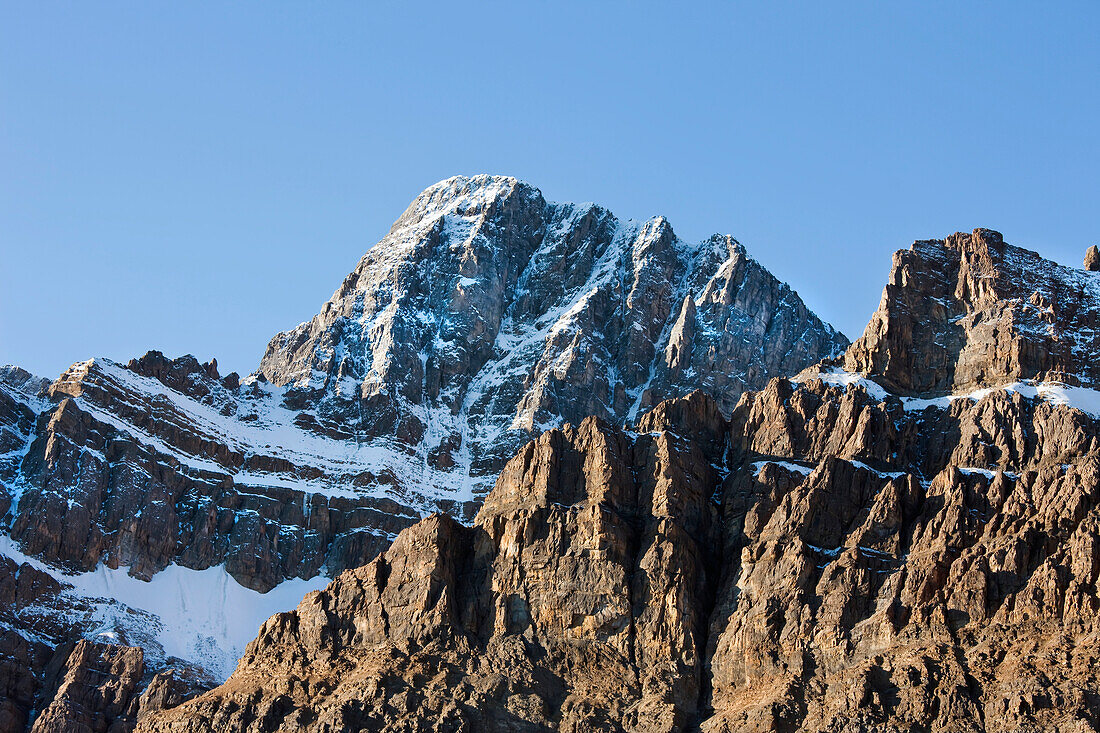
{"points": [[824, 557]]}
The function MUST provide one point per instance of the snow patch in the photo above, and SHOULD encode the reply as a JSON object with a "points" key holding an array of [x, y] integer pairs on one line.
{"points": [[1056, 393], [1085, 399], [884, 474], [758, 466], [203, 616], [836, 377], [988, 473]]}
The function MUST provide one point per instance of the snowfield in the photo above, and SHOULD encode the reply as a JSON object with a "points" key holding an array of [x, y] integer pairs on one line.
{"points": [[201, 616]]}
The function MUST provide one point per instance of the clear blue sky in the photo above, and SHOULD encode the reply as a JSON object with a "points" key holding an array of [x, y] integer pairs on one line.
{"points": [[195, 177]]}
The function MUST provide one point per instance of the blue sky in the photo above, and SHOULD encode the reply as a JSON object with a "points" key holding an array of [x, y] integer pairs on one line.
{"points": [[195, 177]]}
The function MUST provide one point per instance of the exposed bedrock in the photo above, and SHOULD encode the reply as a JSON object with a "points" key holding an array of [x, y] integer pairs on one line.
{"points": [[911, 544], [677, 578]]}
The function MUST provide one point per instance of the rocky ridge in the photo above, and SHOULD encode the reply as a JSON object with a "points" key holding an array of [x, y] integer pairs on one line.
{"points": [[843, 551], [485, 316]]}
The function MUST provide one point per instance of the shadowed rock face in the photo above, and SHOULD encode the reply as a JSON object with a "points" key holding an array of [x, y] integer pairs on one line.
{"points": [[822, 558], [95, 686], [485, 316]]}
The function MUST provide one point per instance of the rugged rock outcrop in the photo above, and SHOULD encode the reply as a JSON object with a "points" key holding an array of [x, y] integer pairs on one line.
{"points": [[915, 583], [628, 581], [1092, 259], [93, 691], [24, 654], [93, 687], [830, 556], [972, 310], [579, 597]]}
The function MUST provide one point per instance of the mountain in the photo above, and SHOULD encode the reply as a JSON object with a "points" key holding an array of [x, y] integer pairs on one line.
{"points": [[904, 538], [163, 507], [487, 314]]}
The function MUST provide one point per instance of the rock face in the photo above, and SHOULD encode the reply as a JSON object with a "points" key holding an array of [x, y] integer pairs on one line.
{"points": [[913, 569], [20, 403], [486, 316], [1092, 259], [97, 683], [579, 597], [828, 556], [160, 462], [971, 311], [94, 687]]}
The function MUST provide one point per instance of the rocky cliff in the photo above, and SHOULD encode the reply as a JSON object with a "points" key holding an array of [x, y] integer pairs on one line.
{"points": [[971, 310], [847, 550], [162, 505]]}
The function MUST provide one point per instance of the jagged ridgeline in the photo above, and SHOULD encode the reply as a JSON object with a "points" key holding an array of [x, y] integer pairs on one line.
{"points": [[912, 546], [488, 313], [163, 505]]}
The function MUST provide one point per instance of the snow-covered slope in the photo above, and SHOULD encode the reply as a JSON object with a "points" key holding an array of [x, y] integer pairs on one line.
{"points": [[202, 616]]}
